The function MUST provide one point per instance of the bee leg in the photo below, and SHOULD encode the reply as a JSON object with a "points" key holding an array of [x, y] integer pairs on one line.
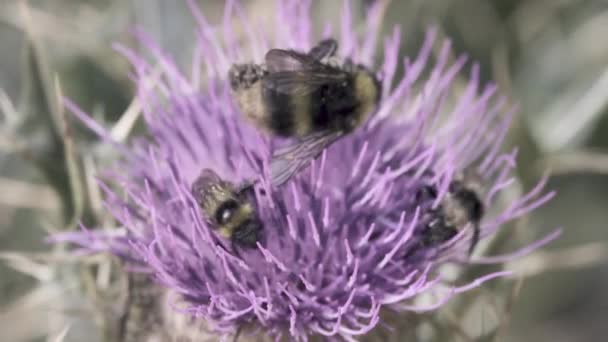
{"points": [[235, 248], [474, 238]]}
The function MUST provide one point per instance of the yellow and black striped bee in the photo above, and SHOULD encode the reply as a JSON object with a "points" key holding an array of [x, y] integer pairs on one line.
{"points": [[228, 208], [461, 206], [307, 96]]}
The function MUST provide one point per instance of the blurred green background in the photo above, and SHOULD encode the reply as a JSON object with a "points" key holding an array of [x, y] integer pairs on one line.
{"points": [[548, 56]]}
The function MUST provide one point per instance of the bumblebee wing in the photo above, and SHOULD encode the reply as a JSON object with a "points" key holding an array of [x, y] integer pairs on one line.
{"points": [[278, 60], [288, 160], [325, 48], [296, 83], [205, 180], [209, 186]]}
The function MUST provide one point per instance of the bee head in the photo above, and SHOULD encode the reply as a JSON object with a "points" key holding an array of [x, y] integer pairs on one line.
{"points": [[242, 76]]}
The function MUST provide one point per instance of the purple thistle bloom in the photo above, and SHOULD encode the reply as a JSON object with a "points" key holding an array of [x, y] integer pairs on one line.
{"points": [[341, 238]]}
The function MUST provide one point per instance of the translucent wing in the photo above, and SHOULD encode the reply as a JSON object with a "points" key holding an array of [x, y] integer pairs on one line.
{"points": [[325, 48], [302, 82], [288, 160], [206, 179], [208, 187], [278, 60]]}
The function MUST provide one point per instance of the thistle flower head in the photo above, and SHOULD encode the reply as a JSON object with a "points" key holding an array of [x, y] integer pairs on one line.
{"points": [[345, 237]]}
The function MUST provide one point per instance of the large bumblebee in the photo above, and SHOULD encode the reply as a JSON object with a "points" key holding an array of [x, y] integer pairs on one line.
{"points": [[311, 97], [460, 207], [228, 208]]}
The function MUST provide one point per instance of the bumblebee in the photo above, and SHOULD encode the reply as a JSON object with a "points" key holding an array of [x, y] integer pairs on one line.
{"points": [[140, 318], [311, 97], [147, 313], [460, 206], [228, 208]]}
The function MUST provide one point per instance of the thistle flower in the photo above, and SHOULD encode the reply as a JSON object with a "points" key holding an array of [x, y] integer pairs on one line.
{"points": [[342, 239]]}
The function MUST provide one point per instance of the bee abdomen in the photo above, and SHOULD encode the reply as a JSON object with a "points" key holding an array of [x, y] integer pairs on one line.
{"points": [[288, 115], [282, 116], [332, 106]]}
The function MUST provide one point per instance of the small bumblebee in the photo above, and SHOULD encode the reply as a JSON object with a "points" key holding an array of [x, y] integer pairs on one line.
{"points": [[228, 208], [460, 206], [147, 313], [311, 97], [139, 317]]}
